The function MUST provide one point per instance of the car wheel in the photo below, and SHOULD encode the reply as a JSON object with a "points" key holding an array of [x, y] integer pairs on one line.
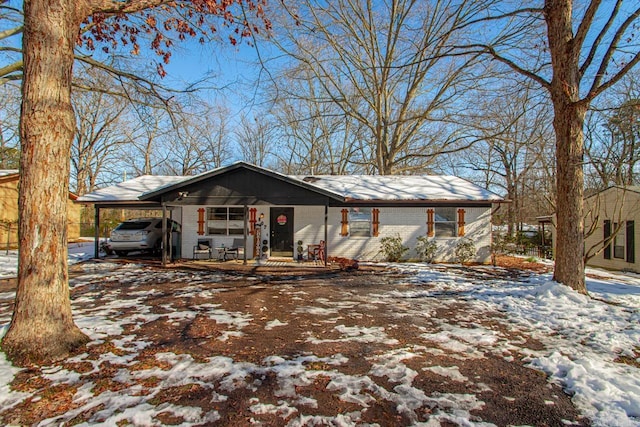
{"points": [[122, 253]]}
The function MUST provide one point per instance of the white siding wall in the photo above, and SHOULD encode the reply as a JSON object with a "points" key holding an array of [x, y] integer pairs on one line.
{"points": [[190, 234], [409, 223], [308, 226], [618, 206]]}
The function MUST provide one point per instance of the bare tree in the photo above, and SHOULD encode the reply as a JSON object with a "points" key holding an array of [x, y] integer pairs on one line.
{"points": [[612, 143], [256, 139], [143, 154], [387, 66], [9, 115], [576, 55], [42, 327], [199, 142], [213, 134], [316, 137], [98, 136], [10, 49], [517, 128]]}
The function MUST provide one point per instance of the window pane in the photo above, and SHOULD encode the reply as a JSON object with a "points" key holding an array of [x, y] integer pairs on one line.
{"points": [[618, 242], [236, 214], [236, 227], [360, 222], [445, 229], [217, 213], [445, 214], [360, 229], [216, 227], [618, 252], [133, 225]]}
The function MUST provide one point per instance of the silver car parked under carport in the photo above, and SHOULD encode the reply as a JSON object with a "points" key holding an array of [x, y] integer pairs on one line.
{"points": [[139, 234]]}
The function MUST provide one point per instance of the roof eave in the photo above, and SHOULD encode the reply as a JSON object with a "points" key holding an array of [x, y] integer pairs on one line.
{"points": [[406, 201]]}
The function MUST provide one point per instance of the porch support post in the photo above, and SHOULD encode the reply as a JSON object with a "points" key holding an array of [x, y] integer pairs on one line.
{"points": [[326, 233], [164, 234], [246, 224], [96, 232]]}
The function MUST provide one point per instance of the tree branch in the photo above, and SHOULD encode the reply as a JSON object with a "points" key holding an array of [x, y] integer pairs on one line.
{"points": [[5, 72], [511, 64], [11, 32], [128, 6], [596, 43], [595, 91], [596, 87]]}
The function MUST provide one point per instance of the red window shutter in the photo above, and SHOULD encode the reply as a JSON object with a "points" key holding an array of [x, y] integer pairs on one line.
{"points": [[201, 221], [252, 221], [461, 222], [430, 229], [376, 221], [344, 230]]}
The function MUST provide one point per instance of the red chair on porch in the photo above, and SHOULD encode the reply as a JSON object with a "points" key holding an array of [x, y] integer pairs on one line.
{"points": [[319, 252]]}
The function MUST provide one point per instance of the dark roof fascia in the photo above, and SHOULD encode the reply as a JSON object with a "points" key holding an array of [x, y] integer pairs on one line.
{"points": [[110, 204], [16, 176], [619, 187], [10, 177], [239, 165], [414, 203]]}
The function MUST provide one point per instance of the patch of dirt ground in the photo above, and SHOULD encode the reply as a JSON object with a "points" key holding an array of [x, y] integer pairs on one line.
{"points": [[283, 349]]}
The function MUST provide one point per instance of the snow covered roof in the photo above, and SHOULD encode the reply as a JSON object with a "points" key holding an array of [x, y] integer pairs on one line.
{"points": [[5, 172], [132, 189], [341, 187], [401, 187]]}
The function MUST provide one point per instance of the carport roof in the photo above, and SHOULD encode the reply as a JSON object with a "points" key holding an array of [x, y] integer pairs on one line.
{"points": [[130, 190]]}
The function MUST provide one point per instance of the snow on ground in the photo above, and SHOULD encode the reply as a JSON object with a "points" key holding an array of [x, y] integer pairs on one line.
{"points": [[582, 338], [79, 251], [585, 334]]}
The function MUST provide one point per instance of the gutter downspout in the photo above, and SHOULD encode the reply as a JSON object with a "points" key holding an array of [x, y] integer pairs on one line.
{"points": [[96, 232], [246, 224], [326, 233], [164, 234]]}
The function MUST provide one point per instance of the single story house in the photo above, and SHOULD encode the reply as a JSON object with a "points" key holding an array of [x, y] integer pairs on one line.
{"points": [[280, 215], [9, 179], [611, 232]]}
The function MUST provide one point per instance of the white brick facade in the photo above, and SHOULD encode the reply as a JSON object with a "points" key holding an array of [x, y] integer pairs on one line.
{"points": [[408, 222]]}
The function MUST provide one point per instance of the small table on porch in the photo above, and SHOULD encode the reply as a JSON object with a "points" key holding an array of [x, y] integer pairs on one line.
{"points": [[221, 253]]}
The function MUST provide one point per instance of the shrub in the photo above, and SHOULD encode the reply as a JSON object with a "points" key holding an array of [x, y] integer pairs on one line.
{"points": [[300, 250], [426, 249], [392, 248], [500, 245], [465, 250]]}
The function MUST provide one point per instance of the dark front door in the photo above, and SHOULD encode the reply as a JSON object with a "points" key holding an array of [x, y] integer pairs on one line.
{"points": [[281, 231]]}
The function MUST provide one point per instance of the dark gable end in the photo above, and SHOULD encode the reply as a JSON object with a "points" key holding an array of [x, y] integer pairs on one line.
{"points": [[241, 184]]}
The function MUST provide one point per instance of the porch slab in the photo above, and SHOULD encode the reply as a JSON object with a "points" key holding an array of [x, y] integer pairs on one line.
{"points": [[270, 266]]}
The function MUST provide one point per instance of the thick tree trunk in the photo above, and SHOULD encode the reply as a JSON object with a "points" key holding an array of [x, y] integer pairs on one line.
{"points": [[42, 327], [569, 265], [569, 113]]}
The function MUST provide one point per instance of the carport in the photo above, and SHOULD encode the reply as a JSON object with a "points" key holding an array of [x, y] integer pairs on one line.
{"points": [[126, 195]]}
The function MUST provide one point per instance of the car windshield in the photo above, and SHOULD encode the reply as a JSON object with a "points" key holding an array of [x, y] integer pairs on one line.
{"points": [[133, 225]]}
